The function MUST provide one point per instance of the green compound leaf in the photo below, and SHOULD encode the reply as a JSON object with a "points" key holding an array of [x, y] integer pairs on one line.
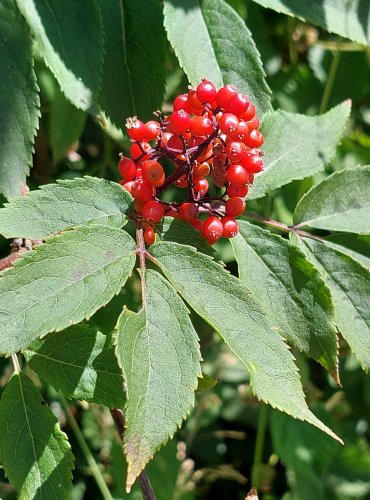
{"points": [[35, 453], [293, 291], [158, 351], [297, 146], [66, 204], [135, 64], [228, 306], [79, 362], [212, 41], [69, 36], [346, 18], [341, 202], [349, 283], [176, 230], [356, 246], [62, 282], [66, 123], [20, 103]]}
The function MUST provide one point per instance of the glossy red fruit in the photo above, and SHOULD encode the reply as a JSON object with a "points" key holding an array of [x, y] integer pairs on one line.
{"points": [[249, 113], [188, 211], [127, 185], [181, 102], [149, 235], [153, 172], [237, 104], [252, 163], [198, 224], [142, 190], [201, 125], [127, 168], [255, 139], [180, 121], [193, 101], [253, 123], [236, 150], [181, 182], [200, 185], [201, 169], [212, 229], [231, 227], [206, 91], [228, 123], [237, 191], [224, 94], [235, 206], [136, 150], [242, 133], [152, 130], [135, 129], [153, 211], [237, 175], [175, 143]]}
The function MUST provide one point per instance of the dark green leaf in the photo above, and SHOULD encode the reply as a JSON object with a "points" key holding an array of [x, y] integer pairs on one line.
{"points": [[230, 309], [212, 41], [69, 36], [356, 246], [293, 291], [34, 451], [79, 362], [349, 283], [341, 202], [63, 205], [158, 351], [176, 230], [135, 63], [66, 124], [346, 18], [62, 282], [295, 148], [20, 103]]}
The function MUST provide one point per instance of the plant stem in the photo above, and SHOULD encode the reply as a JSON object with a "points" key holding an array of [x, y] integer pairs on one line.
{"points": [[260, 443], [100, 481], [16, 366], [330, 82]]}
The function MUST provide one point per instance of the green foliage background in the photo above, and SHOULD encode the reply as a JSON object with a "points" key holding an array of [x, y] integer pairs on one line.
{"points": [[108, 60]]}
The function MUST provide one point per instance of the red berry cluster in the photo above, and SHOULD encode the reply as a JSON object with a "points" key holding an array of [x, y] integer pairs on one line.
{"points": [[210, 135]]}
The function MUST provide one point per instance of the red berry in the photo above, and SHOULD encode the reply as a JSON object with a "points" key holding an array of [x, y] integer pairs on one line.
{"points": [[127, 168], [201, 169], [174, 142], [200, 185], [252, 163], [255, 139], [180, 121], [198, 224], [231, 227], [249, 113], [253, 123], [242, 133], [181, 182], [152, 130], [224, 94], [135, 129], [235, 206], [188, 211], [193, 101], [236, 150], [228, 123], [212, 229], [142, 190], [136, 151], [153, 172], [206, 91], [237, 175], [153, 211], [237, 104], [127, 185], [237, 191], [201, 125], [149, 235], [181, 102]]}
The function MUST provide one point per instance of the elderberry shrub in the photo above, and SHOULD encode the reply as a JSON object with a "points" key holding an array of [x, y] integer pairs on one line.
{"points": [[211, 136]]}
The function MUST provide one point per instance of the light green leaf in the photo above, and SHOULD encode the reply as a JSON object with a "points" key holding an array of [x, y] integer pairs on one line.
{"points": [[69, 36], [228, 306], [79, 362], [20, 103], [346, 18], [212, 41], [34, 451], [297, 146], [135, 64], [62, 282], [356, 246], [349, 283], [158, 351], [292, 290], [64, 205], [176, 230], [341, 202], [66, 123]]}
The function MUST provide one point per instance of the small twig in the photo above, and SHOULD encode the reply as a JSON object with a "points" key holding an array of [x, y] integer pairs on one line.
{"points": [[141, 252], [16, 366], [144, 481], [8, 261]]}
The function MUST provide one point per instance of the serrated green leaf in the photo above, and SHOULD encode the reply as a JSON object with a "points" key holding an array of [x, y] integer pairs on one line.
{"points": [[341, 202], [134, 68], [176, 230], [34, 451], [67, 204], [212, 41], [79, 362], [69, 36], [62, 282], [228, 306], [349, 283], [292, 290], [356, 246], [297, 146], [346, 18], [66, 123], [20, 103], [158, 351]]}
